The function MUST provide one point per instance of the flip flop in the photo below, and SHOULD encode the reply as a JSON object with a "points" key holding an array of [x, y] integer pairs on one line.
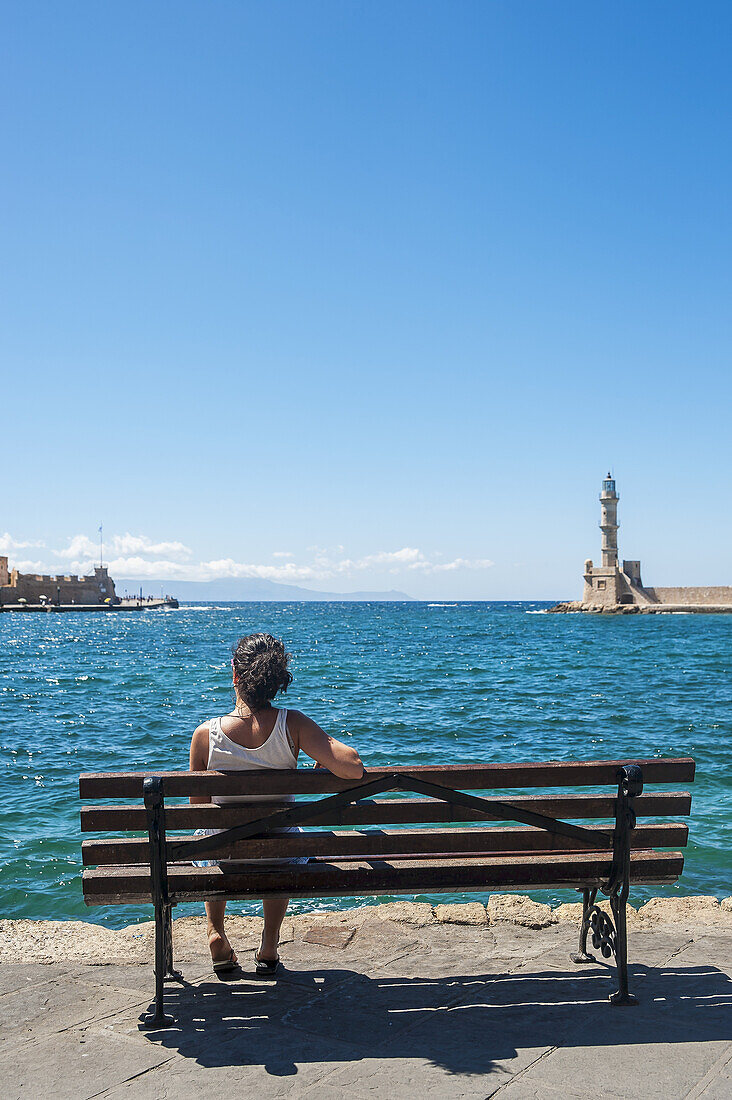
{"points": [[266, 968], [224, 966]]}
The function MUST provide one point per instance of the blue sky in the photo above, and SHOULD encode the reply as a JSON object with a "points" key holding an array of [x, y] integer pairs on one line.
{"points": [[366, 295]]}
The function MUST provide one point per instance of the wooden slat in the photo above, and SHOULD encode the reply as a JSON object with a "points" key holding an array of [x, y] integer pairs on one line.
{"points": [[393, 811], [399, 842], [320, 781], [124, 885]]}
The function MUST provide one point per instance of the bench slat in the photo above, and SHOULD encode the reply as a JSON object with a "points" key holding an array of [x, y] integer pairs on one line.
{"points": [[394, 811], [320, 781], [394, 843], [126, 885]]}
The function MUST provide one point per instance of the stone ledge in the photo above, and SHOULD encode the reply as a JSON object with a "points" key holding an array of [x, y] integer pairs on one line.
{"points": [[472, 912], [48, 941]]}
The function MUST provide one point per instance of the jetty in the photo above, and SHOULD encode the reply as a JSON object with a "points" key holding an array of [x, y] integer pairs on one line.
{"points": [[147, 603]]}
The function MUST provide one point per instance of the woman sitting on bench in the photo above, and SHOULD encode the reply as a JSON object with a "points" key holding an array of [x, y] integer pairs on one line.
{"points": [[257, 735]]}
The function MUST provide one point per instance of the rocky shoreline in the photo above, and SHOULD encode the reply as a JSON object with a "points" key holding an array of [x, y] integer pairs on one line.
{"points": [[571, 607], [47, 941]]}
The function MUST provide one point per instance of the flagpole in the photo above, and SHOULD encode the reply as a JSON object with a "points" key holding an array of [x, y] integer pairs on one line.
{"points": [[101, 546]]}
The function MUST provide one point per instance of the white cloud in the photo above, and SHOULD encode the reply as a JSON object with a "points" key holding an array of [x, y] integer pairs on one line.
{"points": [[8, 544], [136, 566], [80, 546], [227, 567], [29, 567], [141, 544], [138, 556], [450, 566]]}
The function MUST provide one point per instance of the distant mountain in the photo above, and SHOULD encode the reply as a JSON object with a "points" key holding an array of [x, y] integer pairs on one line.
{"points": [[247, 589]]}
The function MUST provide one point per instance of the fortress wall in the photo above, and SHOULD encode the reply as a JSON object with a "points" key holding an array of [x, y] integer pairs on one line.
{"points": [[82, 590], [31, 589], [719, 595]]}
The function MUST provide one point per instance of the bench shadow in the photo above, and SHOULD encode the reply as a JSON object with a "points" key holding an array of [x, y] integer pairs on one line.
{"points": [[468, 1024]]}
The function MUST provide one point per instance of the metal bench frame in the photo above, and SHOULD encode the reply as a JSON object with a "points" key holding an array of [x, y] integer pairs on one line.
{"points": [[609, 936]]}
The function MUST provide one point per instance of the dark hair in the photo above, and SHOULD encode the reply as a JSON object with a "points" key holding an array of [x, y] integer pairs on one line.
{"points": [[260, 667]]}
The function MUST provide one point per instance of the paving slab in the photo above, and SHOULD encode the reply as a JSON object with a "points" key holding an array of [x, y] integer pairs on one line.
{"points": [[14, 976], [55, 1006], [73, 1065], [638, 1069], [268, 1061]]}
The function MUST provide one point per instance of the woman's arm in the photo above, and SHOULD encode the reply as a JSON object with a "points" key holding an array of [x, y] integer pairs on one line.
{"points": [[338, 758], [199, 758]]}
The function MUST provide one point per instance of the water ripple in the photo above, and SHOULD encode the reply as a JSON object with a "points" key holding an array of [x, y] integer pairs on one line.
{"points": [[406, 683]]}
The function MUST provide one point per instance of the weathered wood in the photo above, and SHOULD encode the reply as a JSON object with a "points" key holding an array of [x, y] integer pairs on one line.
{"points": [[301, 813], [111, 885], [320, 781], [404, 843], [386, 811]]}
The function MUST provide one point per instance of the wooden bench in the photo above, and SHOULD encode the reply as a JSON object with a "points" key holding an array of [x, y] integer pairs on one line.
{"points": [[539, 848]]}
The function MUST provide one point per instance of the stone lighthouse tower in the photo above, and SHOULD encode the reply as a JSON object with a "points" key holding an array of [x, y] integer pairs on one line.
{"points": [[607, 585], [609, 522]]}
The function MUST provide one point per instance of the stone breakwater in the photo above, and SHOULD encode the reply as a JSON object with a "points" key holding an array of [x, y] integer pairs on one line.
{"points": [[46, 941], [574, 606]]}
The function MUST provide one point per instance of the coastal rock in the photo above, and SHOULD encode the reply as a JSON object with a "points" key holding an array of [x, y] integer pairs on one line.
{"points": [[78, 941], [696, 910], [407, 912], [571, 912], [471, 912], [48, 941], [519, 910], [333, 918]]}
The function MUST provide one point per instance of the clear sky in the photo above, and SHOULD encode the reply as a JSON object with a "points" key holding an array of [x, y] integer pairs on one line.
{"points": [[366, 294]]}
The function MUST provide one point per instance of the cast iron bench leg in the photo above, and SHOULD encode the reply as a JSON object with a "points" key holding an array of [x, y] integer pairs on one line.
{"points": [[588, 900], [622, 997], [171, 974], [153, 790]]}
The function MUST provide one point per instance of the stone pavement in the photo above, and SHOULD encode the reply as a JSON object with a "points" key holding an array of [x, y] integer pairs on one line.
{"points": [[411, 1002]]}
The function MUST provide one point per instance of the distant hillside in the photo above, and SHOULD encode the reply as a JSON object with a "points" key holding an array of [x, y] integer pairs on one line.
{"points": [[249, 589]]}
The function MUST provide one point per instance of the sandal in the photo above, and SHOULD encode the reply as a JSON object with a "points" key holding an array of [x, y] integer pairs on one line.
{"points": [[224, 966], [266, 968]]}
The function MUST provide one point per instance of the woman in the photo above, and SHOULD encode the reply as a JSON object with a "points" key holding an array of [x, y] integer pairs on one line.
{"points": [[257, 735]]}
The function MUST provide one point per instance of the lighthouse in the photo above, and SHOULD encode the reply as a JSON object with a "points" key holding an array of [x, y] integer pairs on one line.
{"points": [[609, 522], [608, 584]]}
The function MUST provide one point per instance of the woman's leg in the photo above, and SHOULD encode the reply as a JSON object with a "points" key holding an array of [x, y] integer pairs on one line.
{"points": [[218, 943], [274, 914]]}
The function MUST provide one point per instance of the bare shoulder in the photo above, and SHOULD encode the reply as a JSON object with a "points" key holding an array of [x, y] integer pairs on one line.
{"points": [[199, 745], [297, 719]]}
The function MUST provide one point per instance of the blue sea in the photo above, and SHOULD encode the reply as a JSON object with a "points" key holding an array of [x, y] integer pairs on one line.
{"points": [[406, 683]]}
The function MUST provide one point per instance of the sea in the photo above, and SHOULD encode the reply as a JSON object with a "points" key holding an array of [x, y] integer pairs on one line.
{"points": [[405, 683]]}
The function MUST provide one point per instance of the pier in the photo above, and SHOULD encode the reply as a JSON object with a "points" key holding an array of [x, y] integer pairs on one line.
{"points": [[134, 603]]}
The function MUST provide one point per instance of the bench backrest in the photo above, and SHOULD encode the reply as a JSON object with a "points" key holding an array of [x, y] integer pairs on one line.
{"points": [[547, 819]]}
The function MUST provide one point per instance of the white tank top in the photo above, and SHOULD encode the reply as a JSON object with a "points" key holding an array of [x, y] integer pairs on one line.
{"points": [[226, 756]]}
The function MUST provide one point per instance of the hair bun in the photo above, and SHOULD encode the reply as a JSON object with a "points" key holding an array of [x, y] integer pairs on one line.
{"points": [[261, 670]]}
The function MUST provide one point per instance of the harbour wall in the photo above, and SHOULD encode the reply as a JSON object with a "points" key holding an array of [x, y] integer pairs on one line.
{"points": [[697, 597]]}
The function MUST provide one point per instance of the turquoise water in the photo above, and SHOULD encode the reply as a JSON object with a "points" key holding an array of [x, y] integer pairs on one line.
{"points": [[407, 683]]}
